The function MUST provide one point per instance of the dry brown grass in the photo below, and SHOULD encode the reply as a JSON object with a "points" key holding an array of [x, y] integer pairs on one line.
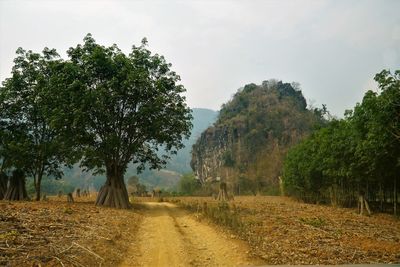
{"points": [[279, 230], [55, 233], [283, 231]]}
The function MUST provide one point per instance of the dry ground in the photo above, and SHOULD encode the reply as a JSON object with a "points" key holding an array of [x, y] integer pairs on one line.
{"points": [[283, 231], [170, 236], [55, 233], [273, 230]]}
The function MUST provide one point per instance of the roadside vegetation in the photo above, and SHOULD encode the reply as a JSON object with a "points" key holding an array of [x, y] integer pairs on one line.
{"points": [[355, 159]]}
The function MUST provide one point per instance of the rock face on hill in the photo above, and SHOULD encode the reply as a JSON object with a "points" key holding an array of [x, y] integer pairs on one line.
{"points": [[247, 144]]}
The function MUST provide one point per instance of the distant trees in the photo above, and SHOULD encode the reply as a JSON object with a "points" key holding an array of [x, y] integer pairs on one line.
{"points": [[188, 184], [133, 180], [135, 187], [358, 155], [101, 107]]}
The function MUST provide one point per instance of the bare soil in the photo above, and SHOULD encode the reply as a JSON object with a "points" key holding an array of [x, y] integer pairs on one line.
{"points": [[55, 233], [169, 236]]}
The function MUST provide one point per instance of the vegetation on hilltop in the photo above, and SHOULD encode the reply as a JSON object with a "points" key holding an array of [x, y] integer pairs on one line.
{"points": [[253, 132]]}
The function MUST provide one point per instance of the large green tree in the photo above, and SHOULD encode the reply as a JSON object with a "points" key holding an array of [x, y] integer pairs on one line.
{"points": [[118, 109], [25, 111]]}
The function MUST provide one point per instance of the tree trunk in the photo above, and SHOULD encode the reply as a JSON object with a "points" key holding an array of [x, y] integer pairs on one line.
{"points": [[37, 182], [3, 184], [362, 203], [113, 193], [37, 189], [333, 195], [223, 194], [17, 189]]}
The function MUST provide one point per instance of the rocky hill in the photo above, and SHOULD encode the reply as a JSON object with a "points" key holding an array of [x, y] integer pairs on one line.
{"points": [[247, 144]]}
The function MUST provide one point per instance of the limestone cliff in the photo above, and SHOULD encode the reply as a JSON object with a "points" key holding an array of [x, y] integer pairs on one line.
{"points": [[246, 146]]}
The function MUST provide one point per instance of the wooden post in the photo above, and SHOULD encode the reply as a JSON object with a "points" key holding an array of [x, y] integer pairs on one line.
{"points": [[222, 194], [362, 202], [367, 206]]}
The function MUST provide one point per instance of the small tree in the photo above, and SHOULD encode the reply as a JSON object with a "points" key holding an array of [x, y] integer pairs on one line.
{"points": [[120, 109], [132, 184], [188, 184], [141, 190]]}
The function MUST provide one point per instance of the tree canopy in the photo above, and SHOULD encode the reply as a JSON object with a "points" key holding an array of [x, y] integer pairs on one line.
{"points": [[358, 155], [30, 143], [100, 107], [119, 109]]}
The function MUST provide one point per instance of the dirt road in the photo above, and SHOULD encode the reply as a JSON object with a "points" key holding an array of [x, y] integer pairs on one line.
{"points": [[169, 236]]}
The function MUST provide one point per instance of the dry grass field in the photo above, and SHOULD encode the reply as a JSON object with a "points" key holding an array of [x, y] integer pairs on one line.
{"points": [[55, 233], [276, 230], [283, 231]]}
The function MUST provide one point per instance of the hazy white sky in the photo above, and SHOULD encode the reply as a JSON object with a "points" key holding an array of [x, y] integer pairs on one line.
{"points": [[332, 48]]}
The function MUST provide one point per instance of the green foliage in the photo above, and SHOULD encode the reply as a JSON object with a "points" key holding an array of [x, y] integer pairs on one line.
{"points": [[29, 142], [247, 144], [122, 107], [51, 186], [179, 164], [228, 159], [188, 184], [102, 108], [358, 154]]}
